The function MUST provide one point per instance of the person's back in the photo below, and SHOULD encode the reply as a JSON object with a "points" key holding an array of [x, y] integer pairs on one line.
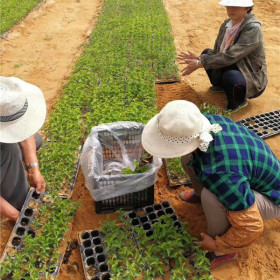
{"points": [[236, 162]]}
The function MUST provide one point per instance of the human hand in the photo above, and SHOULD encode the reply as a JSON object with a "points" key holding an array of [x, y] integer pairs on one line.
{"points": [[192, 66], [207, 243], [36, 179], [189, 55]]}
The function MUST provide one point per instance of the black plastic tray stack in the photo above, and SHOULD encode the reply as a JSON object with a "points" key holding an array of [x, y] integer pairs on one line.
{"points": [[23, 228], [264, 125], [70, 191], [176, 181], [93, 255], [149, 215]]}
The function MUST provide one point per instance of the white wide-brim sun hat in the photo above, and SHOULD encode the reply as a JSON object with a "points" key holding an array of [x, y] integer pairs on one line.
{"points": [[179, 129], [237, 3], [22, 110]]}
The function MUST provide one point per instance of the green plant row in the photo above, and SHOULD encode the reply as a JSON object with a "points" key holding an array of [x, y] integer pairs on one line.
{"points": [[39, 256], [130, 47], [13, 11], [159, 255]]}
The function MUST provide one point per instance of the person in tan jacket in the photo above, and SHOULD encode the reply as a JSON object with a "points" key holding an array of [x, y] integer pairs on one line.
{"points": [[237, 64], [234, 174]]}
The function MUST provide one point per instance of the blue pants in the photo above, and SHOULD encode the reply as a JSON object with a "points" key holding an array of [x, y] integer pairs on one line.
{"points": [[232, 81]]}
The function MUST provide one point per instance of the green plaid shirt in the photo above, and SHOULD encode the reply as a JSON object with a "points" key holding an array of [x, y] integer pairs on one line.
{"points": [[237, 162]]}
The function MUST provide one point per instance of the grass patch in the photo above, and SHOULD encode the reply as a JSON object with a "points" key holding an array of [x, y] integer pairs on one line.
{"points": [[13, 11]]}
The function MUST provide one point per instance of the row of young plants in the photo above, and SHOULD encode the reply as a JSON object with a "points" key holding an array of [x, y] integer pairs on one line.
{"points": [[14, 11], [130, 47], [38, 257], [169, 253]]}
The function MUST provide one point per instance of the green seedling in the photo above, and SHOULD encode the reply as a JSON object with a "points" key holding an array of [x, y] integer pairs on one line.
{"points": [[155, 255], [175, 167], [137, 169]]}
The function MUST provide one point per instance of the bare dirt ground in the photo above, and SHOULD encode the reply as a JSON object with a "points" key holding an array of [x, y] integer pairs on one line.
{"points": [[43, 49]]}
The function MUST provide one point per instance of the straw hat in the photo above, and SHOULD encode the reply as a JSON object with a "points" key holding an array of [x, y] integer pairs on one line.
{"points": [[22, 110], [237, 3], [177, 130]]}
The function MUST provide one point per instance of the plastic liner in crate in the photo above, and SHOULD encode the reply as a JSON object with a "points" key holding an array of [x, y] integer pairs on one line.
{"points": [[93, 254], [177, 180], [23, 227], [107, 151], [264, 125]]}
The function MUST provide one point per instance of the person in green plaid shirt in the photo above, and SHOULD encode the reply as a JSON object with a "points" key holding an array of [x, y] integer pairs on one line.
{"points": [[234, 174]]}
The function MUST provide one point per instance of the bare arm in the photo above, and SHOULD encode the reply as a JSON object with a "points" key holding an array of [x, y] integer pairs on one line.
{"points": [[7, 210], [35, 178]]}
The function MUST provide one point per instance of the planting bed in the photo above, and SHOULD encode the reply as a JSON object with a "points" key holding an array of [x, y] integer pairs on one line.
{"points": [[26, 226], [148, 252], [264, 125], [257, 262]]}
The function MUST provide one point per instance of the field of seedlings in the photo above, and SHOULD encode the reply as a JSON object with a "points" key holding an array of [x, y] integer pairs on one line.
{"points": [[116, 60]]}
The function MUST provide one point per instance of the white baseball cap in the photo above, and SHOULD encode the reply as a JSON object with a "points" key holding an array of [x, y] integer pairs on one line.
{"points": [[237, 3], [22, 110]]}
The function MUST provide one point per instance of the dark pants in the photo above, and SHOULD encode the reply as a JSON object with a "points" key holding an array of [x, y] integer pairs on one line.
{"points": [[13, 182], [232, 81]]}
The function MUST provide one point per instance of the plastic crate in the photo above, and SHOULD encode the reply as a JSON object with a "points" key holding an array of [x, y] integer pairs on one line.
{"points": [[126, 202], [111, 149]]}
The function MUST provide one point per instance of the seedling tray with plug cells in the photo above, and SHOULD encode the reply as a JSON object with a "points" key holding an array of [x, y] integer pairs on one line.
{"points": [[177, 180], [93, 254], [23, 226], [151, 214], [264, 125], [147, 216]]}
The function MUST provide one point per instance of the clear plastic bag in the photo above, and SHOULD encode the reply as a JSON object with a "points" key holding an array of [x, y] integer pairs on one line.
{"points": [[108, 149]]}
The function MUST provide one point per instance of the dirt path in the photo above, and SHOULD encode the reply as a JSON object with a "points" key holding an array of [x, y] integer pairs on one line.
{"points": [[195, 25], [43, 49]]}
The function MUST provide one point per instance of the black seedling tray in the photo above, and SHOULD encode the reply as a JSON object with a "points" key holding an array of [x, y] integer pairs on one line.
{"points": [[176, 181], [149, 215], [126, 202], [23, 225], [264, 125], [167, 81], [69, 192], [93, 255]]}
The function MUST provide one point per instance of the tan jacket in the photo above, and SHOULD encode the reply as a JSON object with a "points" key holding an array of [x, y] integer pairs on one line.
{"points": [[246, 227], [247, 53]]}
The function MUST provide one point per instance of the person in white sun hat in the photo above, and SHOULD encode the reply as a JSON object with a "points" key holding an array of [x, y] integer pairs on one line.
{"points": [[22, 113], [237, 64], [234, 174]]}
